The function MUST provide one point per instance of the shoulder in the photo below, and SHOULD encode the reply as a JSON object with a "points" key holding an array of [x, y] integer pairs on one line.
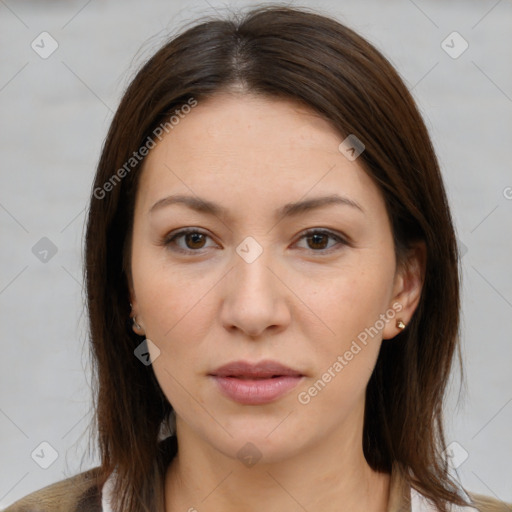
{"points": [[78, 493], [479, 503], [417, 502], [487, 504]]}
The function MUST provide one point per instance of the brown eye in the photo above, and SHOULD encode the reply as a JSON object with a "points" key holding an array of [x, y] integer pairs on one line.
{"points": [[318, 240], [194, 240], [187, 241]]}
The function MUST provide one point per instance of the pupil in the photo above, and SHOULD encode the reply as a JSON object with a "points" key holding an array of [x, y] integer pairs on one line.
{"points": [[195, 238], [317, 239]]}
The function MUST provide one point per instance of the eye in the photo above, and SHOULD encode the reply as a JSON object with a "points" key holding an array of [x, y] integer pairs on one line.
{"points": [[318, 240], [193, 239]]}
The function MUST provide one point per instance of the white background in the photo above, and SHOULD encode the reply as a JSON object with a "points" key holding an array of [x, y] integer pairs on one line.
{"points": [[54, 116]]}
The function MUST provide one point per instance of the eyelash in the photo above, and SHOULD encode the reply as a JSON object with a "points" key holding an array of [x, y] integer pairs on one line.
{"points": [[169, 240]]}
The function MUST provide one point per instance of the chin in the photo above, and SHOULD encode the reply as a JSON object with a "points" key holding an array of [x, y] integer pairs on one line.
{"points": [[258, 442]]}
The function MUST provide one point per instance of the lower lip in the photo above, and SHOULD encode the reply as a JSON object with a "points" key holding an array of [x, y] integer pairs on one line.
{"points": [[256, 392]]}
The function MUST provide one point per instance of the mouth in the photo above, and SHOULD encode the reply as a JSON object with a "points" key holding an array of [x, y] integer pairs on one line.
{"points": [[254, 377], [255, 383]]}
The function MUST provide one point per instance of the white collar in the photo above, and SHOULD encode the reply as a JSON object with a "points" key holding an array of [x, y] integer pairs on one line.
{"points": [[106, 494]]}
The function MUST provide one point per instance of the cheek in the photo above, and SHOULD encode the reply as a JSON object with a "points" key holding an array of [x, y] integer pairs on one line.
{"points": [[344, 359], [346, 303], [166, 293], [178, 313], [175, 305]]}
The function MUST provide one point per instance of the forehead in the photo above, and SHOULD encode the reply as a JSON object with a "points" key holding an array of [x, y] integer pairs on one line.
{"points": [[252, 149], [237, 123]]}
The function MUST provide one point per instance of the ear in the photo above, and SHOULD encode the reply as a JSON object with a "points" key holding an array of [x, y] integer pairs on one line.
{"points": [[407, 288]]}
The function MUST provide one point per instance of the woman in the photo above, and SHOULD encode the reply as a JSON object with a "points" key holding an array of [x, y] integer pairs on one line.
{"points": [[273, 283]]}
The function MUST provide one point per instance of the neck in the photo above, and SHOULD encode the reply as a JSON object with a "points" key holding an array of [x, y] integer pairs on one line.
{"points": [[332, 476]]}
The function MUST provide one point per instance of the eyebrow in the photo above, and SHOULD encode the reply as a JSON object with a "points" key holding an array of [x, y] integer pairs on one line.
{"points": [[288, 210]]}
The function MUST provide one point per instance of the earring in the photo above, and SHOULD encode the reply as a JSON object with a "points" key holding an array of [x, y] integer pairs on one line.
{"points": [[134, 321], [136, 324], [400, 325]]}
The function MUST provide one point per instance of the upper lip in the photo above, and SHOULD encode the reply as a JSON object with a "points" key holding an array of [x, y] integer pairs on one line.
{"points": [[261, 369]]}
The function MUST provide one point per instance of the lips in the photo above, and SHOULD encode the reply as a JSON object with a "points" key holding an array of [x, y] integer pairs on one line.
{"points": [[255, 383], [261, 370]]}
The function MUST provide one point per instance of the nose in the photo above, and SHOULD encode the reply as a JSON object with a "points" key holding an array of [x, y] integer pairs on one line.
{"points": [[255, 299]]}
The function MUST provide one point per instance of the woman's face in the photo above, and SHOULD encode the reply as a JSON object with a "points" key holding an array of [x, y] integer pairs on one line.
{"points": [[268, 274]]}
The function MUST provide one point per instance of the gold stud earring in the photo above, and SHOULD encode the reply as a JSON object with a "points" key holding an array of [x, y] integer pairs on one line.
{"points": [[400, 325]]}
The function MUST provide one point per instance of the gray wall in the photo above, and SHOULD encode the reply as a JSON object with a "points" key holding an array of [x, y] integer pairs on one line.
{"points": [[55, 113]]}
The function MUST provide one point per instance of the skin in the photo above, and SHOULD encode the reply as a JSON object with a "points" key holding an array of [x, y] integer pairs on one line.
{"points": [[300, 302]]}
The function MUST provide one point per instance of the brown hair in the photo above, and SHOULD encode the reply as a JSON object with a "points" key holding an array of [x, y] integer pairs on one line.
{"points": [[302, 55]]}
